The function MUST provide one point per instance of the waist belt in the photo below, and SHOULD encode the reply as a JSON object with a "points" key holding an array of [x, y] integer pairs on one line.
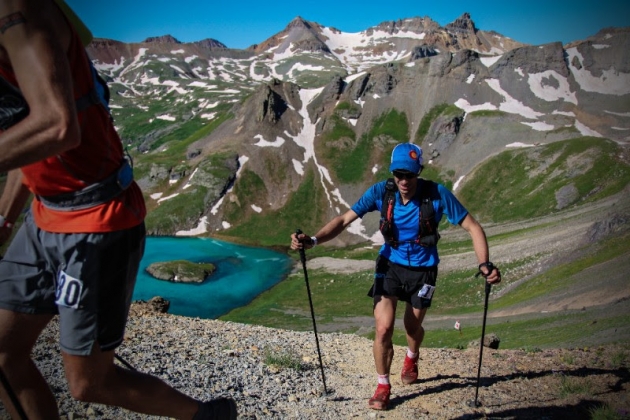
{"points": [[94, 194]]}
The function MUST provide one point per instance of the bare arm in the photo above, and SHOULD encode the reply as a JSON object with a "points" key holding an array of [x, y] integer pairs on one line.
{"points": [[12, 201], [328, 232], [480, 246], [33, 42]]}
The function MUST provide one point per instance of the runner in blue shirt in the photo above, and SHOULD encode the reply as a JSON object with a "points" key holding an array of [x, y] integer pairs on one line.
{"points": [[407, 265]]}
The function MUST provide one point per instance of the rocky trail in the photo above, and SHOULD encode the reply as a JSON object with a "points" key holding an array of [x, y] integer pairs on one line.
{"points": [[209, 358]]}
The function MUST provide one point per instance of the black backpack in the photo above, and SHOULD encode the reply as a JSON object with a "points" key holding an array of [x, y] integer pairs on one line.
{"points": [[428, 235]]}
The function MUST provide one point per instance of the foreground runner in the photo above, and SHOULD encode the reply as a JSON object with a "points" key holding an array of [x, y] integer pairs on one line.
{"points": [[78, 251], [407, 264]]}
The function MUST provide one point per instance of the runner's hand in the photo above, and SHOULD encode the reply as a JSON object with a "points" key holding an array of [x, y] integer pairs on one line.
{"points": [[492, 276], [301, 241]]}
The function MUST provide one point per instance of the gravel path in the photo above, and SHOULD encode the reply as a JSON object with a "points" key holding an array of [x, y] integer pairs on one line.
{"points": [[209, 358]]}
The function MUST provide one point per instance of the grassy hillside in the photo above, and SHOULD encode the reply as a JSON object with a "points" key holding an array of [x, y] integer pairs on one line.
{"points": [[534, 182]]}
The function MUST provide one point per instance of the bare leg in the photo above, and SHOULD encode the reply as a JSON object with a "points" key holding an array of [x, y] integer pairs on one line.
{"points": [[413, 327], [95, 378], [383, 348], [18, 334]]}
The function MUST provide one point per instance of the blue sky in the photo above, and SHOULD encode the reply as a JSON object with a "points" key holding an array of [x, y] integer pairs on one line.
{"points": [[241, 23]]}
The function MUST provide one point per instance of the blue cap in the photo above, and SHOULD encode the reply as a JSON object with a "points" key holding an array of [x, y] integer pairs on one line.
{"points": [[406, 157]]}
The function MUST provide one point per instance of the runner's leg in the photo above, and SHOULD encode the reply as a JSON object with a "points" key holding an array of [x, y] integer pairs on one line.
{"points": [[95, 378], [383, 348], [18, 334], [413, 326]]}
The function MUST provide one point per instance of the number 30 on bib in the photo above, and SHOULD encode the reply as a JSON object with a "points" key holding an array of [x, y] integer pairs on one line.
{"points": [[68, 291]]}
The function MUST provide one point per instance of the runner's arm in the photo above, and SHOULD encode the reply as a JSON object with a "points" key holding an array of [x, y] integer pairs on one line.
{"points": [[328, 232], [480, 246], [34, 46], [12, 202]]}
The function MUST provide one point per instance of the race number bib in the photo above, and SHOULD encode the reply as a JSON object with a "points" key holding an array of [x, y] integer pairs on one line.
{"points": [[426, 292], [68, 291]]}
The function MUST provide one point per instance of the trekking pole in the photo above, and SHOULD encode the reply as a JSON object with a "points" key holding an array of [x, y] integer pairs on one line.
{"points": [[310, 301], [124, 362], [12, 396], [476, 403], [14, 399]]}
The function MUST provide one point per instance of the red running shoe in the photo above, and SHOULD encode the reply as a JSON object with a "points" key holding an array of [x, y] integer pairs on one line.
{"points": [[380, 400], [409, 372]]}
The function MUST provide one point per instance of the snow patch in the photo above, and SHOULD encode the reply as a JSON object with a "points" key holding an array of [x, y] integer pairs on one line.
{"points": [[489, 61], [611, 81], [540, 126], [198, 230], [264, 143]]}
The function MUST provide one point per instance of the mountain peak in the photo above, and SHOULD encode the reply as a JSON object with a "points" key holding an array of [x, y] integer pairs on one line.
{"points": [[164, 39], [210, 43], [299, 22], [462, 24]]}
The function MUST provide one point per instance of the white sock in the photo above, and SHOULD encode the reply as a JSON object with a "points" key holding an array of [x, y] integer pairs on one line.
{"points": [[383, 379], [410, 354]]}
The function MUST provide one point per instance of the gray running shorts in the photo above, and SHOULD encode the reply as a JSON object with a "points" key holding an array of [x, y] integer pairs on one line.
{"points": [[414, 285], [86, 278]]}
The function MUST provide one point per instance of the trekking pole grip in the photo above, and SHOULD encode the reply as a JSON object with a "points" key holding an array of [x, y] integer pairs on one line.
{"points": [[298, 231]]}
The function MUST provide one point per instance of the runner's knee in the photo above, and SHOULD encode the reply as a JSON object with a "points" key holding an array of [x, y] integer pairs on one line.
{"points": [[384, 331]]}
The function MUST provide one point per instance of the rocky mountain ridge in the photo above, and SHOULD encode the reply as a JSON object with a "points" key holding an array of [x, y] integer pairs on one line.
{"points": [[310, 95]]}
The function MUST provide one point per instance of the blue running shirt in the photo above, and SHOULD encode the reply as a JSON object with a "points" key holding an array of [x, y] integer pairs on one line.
{"points": [[406, 223]]}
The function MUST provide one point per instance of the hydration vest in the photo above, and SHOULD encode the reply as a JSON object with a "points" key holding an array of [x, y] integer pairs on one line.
{"points": [[13, 106], [428, 235]]}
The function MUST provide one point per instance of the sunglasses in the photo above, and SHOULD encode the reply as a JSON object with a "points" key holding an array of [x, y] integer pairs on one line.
{"points": [[405, 175]]}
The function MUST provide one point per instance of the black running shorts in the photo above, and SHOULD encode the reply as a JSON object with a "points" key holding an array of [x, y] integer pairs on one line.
{"points": [[414, 285]]}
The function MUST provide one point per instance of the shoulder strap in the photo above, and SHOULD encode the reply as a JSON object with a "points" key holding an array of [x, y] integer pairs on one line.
{"points": [[99, 94], [428, 230], [386, 225]]}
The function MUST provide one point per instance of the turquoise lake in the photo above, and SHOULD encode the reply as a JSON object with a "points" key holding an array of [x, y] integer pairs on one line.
{"points": [[242, 273]]}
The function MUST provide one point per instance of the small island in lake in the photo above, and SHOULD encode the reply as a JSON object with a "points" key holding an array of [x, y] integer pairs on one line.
{"points": [[181, 271]]}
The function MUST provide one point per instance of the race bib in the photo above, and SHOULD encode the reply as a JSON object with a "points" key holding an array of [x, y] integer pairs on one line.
{"points": [[426, 292], [68, 291]]}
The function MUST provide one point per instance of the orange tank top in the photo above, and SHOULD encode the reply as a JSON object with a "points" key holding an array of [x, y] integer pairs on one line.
{"points": [[99, 155]]}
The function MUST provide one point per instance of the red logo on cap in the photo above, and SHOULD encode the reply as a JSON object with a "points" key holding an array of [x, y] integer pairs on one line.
{"points": [[413, 155]]}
